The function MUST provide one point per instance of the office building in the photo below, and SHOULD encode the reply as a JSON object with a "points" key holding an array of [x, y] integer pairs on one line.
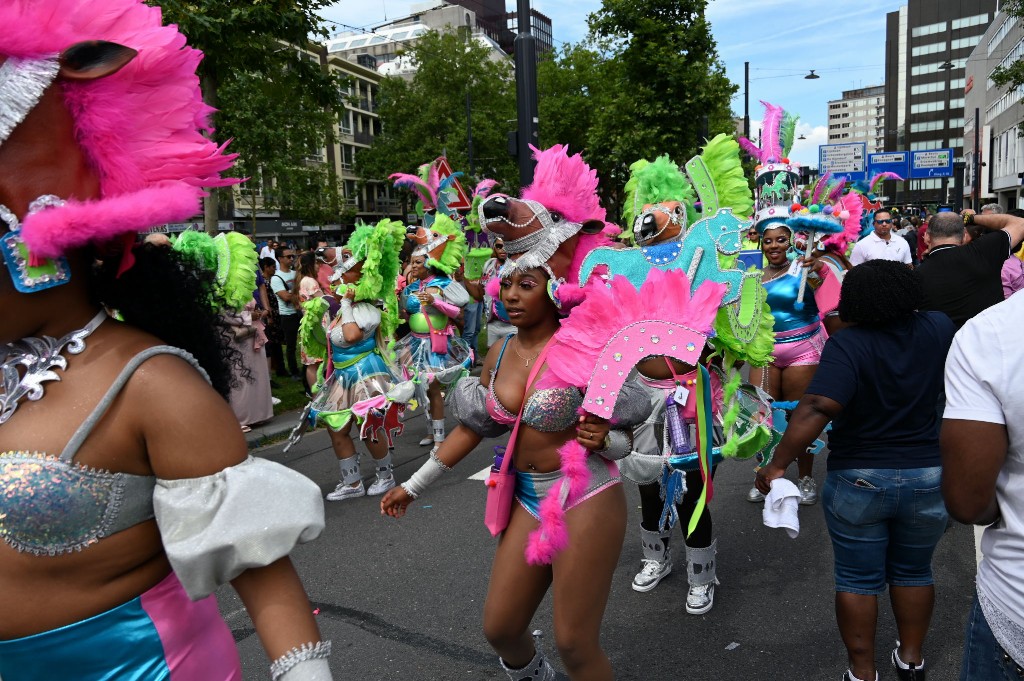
{"points": [[926, 50], [858, 117], [1000, 147]]}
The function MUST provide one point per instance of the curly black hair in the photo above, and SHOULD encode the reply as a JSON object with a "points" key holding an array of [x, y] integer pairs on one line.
{"points": [[167, 295], [880, 292]]}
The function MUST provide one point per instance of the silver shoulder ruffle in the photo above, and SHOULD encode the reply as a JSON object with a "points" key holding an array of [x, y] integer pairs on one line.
{"points": [[468, 403], [249, 515]]}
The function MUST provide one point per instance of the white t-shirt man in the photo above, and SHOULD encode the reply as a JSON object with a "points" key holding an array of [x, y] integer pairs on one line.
{"points": [[874, 247], [984, 375], [284, 281]]}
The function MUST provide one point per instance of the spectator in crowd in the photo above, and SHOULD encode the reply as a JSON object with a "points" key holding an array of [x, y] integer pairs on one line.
{"points": [[309, 288], [270, 251], [751, 241], [250, 396], [272, 323], [283, 286], [882, 503], [983, 480], [880, 244], [964, 279], [991, 209], [324, 269], [471, 316]]}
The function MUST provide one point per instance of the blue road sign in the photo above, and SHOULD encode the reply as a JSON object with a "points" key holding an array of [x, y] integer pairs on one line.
{"points": [[931, 163], [889, 162], [843, 159]]}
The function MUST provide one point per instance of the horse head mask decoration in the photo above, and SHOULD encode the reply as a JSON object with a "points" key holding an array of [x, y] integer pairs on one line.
{"points": [[97, 139], [557, 221]]}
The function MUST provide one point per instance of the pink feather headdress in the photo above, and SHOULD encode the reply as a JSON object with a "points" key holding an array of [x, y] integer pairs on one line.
{"points": [[770, 150], [662, 314], [565, 184], [852, 205], [140, 128]]}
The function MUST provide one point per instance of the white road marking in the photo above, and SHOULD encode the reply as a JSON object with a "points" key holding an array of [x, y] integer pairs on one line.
{"points": [[482, 475]]}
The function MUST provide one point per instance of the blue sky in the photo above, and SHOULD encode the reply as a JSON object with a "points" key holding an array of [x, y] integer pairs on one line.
{"points": [[843, 41]]}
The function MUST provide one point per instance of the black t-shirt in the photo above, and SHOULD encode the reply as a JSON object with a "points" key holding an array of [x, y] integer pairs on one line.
{"points": [[888, 381], [964, 280]]}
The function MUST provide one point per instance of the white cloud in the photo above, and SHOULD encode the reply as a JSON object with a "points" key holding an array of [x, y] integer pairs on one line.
{"points": [[805, 152]]}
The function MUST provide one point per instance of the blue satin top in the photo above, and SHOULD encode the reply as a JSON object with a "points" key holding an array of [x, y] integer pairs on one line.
{"points": [[340, 354], [782, 294]]}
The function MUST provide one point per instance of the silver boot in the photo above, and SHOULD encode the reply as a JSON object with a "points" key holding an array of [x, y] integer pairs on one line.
{"points": [[700, 573], [656, 563], [538, 669]]}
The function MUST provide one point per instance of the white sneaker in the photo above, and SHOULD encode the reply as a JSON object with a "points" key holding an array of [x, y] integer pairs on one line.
{"points": [[651, 573], [428, 440], [700, 599], [343, 491], [380, 485], [755, 496], [808, 491]]}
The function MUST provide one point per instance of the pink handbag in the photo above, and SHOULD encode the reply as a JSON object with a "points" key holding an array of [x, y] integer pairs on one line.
{"points": [[501, 483]]}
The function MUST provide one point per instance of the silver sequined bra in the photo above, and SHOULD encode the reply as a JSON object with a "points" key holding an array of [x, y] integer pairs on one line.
{"points": [[51, 505]]}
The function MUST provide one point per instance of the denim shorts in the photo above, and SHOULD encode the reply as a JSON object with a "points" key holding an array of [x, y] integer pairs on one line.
{"points": [[984, 659], [884, 524]]}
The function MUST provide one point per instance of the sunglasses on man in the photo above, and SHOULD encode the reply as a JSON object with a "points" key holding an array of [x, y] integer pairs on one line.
{"points": [[883, 222]]}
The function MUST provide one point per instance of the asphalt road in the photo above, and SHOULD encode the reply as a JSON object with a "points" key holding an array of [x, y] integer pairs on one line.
{"points": [[402, 599]]}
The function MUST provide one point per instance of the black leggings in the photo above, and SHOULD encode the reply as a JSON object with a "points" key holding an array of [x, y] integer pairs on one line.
{"points": [[651, 505], [290, 342]]}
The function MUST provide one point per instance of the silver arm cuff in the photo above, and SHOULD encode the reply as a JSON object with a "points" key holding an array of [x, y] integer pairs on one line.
{"points": [[620, 444], [308, 662], [431, 470]]}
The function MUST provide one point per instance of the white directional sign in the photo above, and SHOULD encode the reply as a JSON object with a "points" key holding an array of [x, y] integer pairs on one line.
{"points": [[843, 159]]}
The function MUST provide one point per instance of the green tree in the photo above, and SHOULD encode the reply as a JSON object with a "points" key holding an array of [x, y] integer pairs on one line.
{"points": [[425, 118], [640, 85], [275, 100]]}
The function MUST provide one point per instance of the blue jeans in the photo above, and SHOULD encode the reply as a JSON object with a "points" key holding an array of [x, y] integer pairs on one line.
{"points": [[471, 328], [884, 525], [984, 659]]}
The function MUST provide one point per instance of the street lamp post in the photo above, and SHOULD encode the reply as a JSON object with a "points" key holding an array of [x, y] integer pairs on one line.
{"points": [[526, 93], [746, 99]]}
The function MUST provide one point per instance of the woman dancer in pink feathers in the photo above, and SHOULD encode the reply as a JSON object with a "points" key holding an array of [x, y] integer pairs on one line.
{"points": [[128, 496], [571, 547]]}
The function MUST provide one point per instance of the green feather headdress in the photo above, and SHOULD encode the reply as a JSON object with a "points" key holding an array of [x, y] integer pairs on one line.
{"points": [[454, 251], [230, 256], [377, 247], [722, 157], [787, 133], [654, 182]]}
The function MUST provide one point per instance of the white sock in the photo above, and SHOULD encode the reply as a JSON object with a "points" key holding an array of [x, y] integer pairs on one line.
{"points": [[900, 663], [849, 672]]}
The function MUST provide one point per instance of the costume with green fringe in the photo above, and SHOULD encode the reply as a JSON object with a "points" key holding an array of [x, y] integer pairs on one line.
{"points": [[230, 255], [355, 378], [433, 350], [710, 203]]}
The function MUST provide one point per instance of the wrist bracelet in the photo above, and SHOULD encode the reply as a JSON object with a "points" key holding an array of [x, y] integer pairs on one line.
{"points": [[306, 653], [618, 445]]}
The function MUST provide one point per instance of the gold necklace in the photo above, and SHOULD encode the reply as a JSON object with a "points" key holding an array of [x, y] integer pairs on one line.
{"points": [[526, 359]]}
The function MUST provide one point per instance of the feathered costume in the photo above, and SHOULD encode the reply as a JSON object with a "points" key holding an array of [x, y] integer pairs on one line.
{"points": [[355, 378], [433, 350], [742, 322]]}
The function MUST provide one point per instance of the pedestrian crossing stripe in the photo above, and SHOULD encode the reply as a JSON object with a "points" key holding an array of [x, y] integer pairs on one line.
{"points": [[482, 475]]}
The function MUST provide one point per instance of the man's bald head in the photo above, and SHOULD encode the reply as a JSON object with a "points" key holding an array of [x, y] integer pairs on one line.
{"points": [[946, 227]]}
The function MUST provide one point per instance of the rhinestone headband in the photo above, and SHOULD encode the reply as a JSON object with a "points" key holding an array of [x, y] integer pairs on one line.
{"points": [[344, 267], [22, 83]]}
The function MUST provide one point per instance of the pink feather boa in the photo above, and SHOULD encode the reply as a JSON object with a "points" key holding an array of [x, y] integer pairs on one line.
{"points": [[552, 536]]}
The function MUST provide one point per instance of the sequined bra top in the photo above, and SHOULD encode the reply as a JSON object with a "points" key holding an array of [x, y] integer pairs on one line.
{"points": [[550, 411], [52, 505]]}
